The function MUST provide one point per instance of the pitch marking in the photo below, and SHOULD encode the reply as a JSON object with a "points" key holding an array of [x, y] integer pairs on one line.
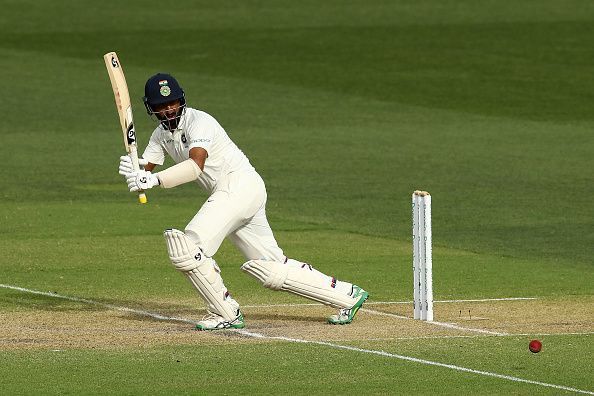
{"points": [[434, 323], [441, 337], [300, 341]]}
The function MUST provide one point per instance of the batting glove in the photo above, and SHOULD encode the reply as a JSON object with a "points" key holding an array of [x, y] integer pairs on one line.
{"points": [[141, 180], [126, 166]]}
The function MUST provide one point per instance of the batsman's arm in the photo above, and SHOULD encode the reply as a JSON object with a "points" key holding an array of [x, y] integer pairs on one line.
{"points": [[198, 155], [185, 171]]}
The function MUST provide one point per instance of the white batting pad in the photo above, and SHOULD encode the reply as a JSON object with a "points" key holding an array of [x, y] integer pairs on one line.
{"points": [[301, 279], [203, 273]]}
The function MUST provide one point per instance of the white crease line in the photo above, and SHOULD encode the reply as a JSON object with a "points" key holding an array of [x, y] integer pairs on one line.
{"points": [[439, 337], [296, 340], [456, 327], [487, 299], [458, 301], [416, 360], [434, 323], [393, 302], [554, 334]]}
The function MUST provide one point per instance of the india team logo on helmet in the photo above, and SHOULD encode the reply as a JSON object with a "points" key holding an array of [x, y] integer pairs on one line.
{"points": [[164, 90]]}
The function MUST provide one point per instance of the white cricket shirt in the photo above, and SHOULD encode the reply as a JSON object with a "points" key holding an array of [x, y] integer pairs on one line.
{"points": [[198, 129]]}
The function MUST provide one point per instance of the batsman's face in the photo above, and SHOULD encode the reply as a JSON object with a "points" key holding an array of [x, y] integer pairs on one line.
{"points": [[168, 111]]}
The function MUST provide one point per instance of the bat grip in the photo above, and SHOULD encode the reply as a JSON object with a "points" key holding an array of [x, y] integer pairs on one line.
{"points": [[134, 156]]}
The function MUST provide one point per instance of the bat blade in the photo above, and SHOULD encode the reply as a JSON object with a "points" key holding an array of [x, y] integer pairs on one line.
{"points": [[124, 108]]}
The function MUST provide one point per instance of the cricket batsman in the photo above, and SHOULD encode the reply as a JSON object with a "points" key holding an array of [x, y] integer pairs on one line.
{"points": [[235, 209]]}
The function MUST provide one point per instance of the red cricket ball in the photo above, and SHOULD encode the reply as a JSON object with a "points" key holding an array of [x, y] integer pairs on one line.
{"points": [[535, 346]]}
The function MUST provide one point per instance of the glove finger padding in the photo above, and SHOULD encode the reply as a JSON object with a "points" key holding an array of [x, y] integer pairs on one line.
{"points": [[132, 180], [126, 165], [141, 180]]}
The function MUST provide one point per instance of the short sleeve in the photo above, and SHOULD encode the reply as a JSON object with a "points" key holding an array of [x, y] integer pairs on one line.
{"points": [[202, 133], [154, 152]]}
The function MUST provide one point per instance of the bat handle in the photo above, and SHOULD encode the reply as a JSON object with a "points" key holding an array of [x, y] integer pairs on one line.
{"points": [[134, 155]]}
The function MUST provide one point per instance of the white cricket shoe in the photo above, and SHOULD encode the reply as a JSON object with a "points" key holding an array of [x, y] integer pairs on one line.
{"points": [[214, 321], [346, 315]]}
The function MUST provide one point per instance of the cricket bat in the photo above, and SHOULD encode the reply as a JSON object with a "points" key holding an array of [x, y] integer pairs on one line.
{"points": [[124, 107]]}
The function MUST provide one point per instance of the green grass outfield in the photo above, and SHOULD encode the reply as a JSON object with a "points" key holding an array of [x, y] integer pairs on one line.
{"points": [[344, 108]]}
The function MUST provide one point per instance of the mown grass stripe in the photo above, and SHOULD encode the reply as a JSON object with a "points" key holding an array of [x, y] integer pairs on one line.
{"points": [[421, 361]]}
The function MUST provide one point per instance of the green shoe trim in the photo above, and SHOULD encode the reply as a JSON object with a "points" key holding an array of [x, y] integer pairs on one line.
{"points": [[363, 296]]}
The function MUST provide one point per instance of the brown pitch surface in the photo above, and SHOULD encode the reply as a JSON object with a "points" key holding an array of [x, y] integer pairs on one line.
{"points": [[93, 326]]}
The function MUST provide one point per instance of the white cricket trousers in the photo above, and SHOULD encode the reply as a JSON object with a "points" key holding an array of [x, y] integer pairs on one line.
{"points": [[237, 209]]}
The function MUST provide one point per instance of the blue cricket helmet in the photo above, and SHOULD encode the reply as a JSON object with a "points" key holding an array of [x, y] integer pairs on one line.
{"points": [[160, 89]]}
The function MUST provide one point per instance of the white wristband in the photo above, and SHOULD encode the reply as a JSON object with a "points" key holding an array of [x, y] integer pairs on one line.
{"points": [[181, 173]]}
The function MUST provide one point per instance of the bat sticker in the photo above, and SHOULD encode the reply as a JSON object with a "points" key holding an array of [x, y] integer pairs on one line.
{"points": [[131, 134]]}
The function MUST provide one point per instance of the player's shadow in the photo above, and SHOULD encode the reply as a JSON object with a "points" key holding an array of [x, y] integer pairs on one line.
{"points": [[276, 317], [66, 304]]}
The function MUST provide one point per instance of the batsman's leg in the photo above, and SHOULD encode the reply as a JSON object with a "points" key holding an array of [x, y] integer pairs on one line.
{"points": [[268, 263], [204, 274], [302, 279]]}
